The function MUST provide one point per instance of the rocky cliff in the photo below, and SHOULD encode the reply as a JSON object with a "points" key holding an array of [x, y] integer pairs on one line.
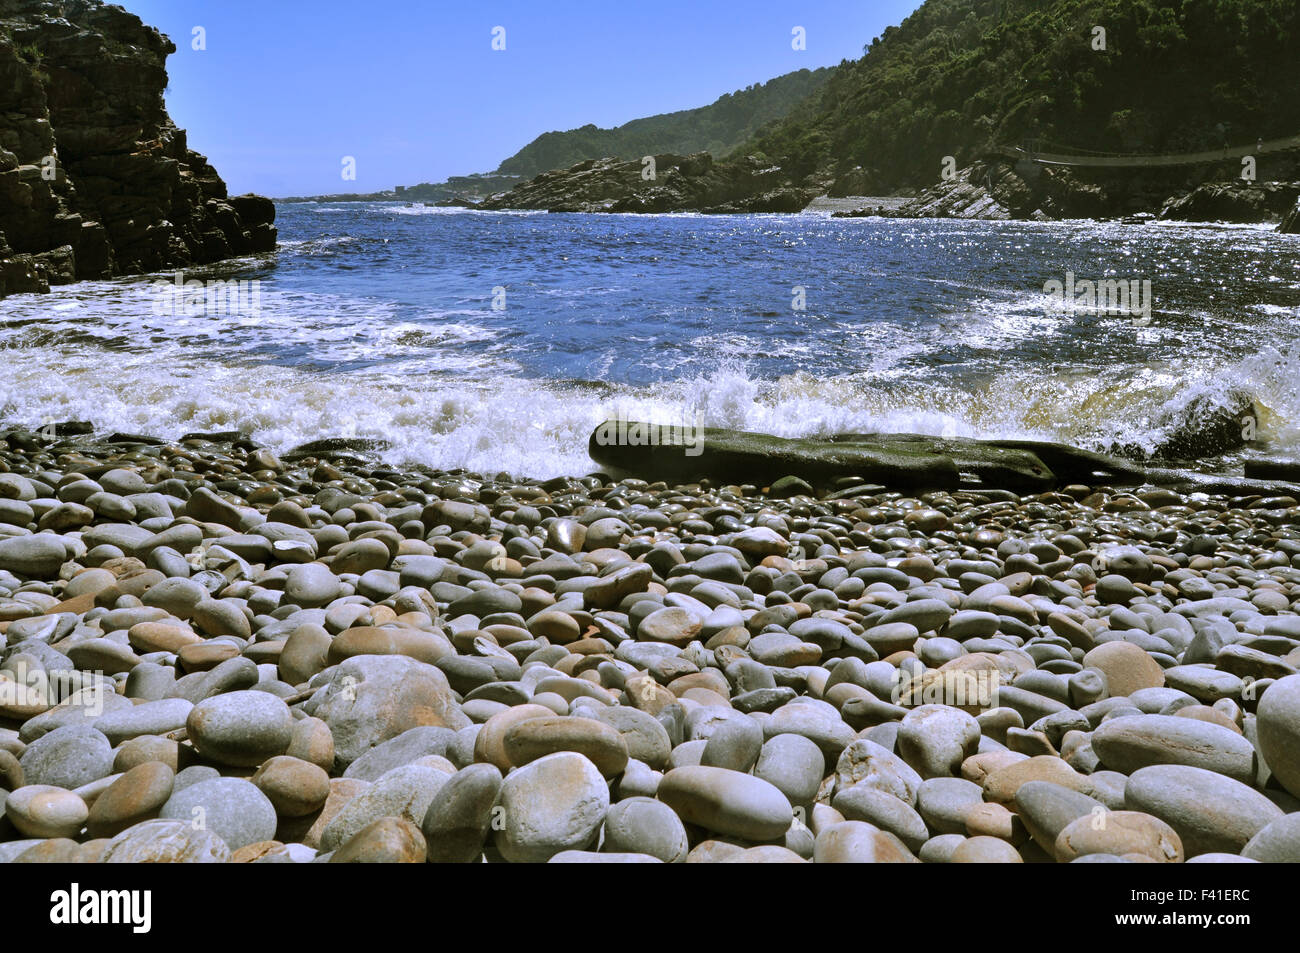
{"points": [[95, 179], [694, 183]]}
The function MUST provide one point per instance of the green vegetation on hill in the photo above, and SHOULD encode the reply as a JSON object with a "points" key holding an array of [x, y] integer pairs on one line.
{"points": [[959, 76], [717, 128]]}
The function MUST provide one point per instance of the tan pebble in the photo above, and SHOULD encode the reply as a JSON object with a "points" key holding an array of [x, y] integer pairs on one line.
{"points": [[251, 852], [489, 743], [138, 795], [389, 840], [985, 850], [1206, 713], [1001, 785], [312, 742], [1119, 833], [342, 790], [145, 748], [994, 820], [294, 787], [42, 810], [1127, 667]]}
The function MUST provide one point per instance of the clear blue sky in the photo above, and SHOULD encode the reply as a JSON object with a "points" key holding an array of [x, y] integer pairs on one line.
{"points": [[414, 91]]}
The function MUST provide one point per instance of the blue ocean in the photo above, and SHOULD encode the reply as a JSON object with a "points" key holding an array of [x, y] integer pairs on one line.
{"points": [[497, 341]]}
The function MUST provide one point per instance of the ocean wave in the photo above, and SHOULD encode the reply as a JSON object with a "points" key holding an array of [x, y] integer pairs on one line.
{"points": [[540, 428]]}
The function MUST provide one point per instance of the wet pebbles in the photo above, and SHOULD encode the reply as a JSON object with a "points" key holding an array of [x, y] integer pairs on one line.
{"points": [[210, 654]]}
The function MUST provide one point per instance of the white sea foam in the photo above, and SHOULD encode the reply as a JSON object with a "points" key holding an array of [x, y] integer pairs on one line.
{"points": [[531, 428]]}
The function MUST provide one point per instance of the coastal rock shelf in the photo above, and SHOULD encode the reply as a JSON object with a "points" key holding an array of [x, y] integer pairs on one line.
{"points": [[95, 180], [326, 659], [918, 461], [674, 183]]}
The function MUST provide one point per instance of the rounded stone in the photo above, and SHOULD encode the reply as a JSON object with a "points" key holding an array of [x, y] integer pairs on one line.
{"points": [[304, 654], [935, 740], [938, 849], [1130, 742], [67, 757], [177, 596], [672, 624], [39, 556], [149, 718], [1119, 833], [241, 728], [817, 721], [643, 825], [727, 802], [865, 762], [166, 842], [459, 817], [386, 840], [311, 585], [371, 698], [1278, 843], [595, 857], [312, 742], [553, 804], [646, 738], [294, 787], [985, 850], [1002, 784], [232, 808], [857, 842], [406, 748], [413, 643], [944, 803], [765, 854], [1127, 667], [138, 795], [1046, 809], [794, 765], [1211, 813], [534, 738], [1278, 722], [861, 802], [402, 792], [734, 744], [40, 810]]}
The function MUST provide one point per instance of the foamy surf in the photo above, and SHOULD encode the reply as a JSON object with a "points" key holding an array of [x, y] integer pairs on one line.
{"points": [[540, 429], [496, 342]]}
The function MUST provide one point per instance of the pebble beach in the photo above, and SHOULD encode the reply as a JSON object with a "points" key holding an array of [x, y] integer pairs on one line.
{"points": [[211, 653]]}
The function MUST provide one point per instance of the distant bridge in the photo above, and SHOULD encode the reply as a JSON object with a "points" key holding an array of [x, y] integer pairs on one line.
{"points": [[1031, 153]]}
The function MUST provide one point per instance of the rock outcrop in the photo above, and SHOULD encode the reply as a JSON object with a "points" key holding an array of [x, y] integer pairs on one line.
{"points": [[1233, 202], [674, 183], [988, 191], [95, 179], [999, 189], [1291, 220], [898, 461]]}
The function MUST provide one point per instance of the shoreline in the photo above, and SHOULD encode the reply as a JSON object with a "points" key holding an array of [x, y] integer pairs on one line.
{"points": [[340, 661]]}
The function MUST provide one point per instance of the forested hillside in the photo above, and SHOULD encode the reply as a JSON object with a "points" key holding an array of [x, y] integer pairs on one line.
{"points": [[958, 76], [717, 128]]}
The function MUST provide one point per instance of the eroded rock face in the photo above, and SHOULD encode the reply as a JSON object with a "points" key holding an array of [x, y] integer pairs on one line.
{"points": [[95, 180]]}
